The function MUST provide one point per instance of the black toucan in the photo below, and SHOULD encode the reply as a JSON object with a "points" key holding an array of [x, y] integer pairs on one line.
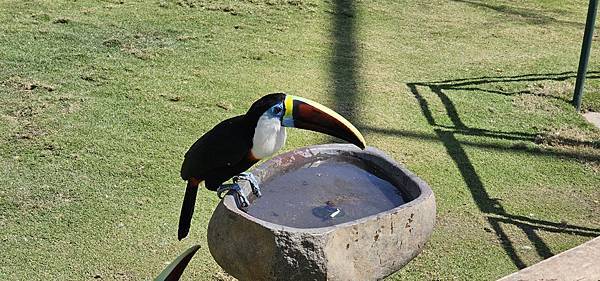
{"points": [[237, 143]]}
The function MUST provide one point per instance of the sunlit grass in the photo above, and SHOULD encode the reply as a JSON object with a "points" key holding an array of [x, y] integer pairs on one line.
{"points": [[99, 100]]}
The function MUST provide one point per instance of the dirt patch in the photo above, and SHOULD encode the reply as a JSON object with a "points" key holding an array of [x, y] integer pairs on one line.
{"points": [[535, 104], [582, 146], [173, 98], [559, 89], [28, 109], [62, 20], [23, 84], [594, 166], [221, 8], [255, 57], [44, 198], [225, 105], [29, 132], [568, 137], [68, 105], [542, 96], [238, 7], [184, 38], [111, 42], [94, 78], [145, 45], [136, 52], [124, 275]]}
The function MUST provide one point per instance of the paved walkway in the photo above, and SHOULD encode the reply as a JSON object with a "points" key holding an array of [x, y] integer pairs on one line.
{"points": [[593, 117], [581, 263]]}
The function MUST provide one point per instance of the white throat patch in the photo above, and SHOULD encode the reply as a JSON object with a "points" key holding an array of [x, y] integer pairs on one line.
{"points": [[269, 137]]}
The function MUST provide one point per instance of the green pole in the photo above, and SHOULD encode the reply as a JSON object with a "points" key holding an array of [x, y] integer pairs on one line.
{"points": [[585, 53]]}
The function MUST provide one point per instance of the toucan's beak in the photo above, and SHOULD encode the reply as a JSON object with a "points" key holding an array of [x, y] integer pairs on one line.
{"points": [[306, 114]]}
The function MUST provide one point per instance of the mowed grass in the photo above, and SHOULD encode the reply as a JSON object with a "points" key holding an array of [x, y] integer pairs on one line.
{"points": [[99, 100]]}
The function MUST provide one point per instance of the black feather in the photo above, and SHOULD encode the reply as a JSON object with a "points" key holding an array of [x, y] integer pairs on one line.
{"points": [[187, 210]]}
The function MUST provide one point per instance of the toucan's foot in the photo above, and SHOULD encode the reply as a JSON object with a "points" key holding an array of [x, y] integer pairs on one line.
{"points": [[251, 179], [242, 200]]}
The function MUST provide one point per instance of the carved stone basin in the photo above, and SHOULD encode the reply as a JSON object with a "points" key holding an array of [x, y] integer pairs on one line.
{"points": [[328, 212]]}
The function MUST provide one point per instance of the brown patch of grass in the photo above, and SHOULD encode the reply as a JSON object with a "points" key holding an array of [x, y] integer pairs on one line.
{"points": [[552, 88], [43, 199], [69, 104], [574, 140], [186, 37], [62, 20], [569, 137], [29, 104], [173, 98], [29, 132], [136, 52], [144, 45], [594, 166], [235, 9], [535, 104], [187, 3], [23, 84], [24, 116], [222, 8], [537, 96], [111, 42]]}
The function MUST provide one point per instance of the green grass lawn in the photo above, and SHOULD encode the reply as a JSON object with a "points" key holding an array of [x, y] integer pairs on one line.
{"points": [[99, 100]]}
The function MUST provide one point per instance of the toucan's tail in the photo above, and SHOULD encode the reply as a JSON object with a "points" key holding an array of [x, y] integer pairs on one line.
{"points": [[187, 208]]}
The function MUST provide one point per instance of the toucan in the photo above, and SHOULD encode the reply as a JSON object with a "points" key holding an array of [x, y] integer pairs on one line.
{"points": [[234, 145]]}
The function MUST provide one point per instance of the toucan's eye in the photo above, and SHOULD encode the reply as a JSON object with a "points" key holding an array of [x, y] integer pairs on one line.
{"points": [[277, 109]]}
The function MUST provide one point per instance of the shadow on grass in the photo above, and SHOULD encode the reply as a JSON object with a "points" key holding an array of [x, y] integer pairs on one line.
{"points": [[343, 65], [343, 70], [534, 151], [496, 214], [521, 14], [471, 84]]}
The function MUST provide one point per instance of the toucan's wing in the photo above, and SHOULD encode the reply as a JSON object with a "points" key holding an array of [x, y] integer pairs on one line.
{"points": [[226, 144]]}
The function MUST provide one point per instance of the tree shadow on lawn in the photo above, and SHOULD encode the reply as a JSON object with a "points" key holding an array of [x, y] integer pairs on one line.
{"points": [[496, 214], [343, 69], [521, 14]]}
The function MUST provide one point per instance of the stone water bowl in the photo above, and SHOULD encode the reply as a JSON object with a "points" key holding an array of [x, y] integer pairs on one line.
{"points": [[328, 212]]}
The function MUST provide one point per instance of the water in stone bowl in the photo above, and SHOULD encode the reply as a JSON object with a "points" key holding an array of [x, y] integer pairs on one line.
{"points": [[325, 192], [328, 212]]}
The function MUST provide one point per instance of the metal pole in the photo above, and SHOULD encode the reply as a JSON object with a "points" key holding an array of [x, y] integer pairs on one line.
{"points": [[585, 53]]}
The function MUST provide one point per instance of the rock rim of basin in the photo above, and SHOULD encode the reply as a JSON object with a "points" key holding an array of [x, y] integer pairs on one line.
{"points": [[368, 248]]}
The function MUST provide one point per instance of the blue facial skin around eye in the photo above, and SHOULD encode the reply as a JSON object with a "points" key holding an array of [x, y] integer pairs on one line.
{"points": [[277, 110]]}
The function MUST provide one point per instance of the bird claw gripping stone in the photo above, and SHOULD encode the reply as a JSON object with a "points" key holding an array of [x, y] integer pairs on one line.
{"points": [[241, 199], [252, 180]]}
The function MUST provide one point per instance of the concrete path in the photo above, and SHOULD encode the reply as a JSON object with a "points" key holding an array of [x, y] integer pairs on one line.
{"points": [[581, 263], [593, 117]]}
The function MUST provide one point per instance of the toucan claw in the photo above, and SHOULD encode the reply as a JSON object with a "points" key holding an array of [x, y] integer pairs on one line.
{"points": [[249, 177], [241, 199]]}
